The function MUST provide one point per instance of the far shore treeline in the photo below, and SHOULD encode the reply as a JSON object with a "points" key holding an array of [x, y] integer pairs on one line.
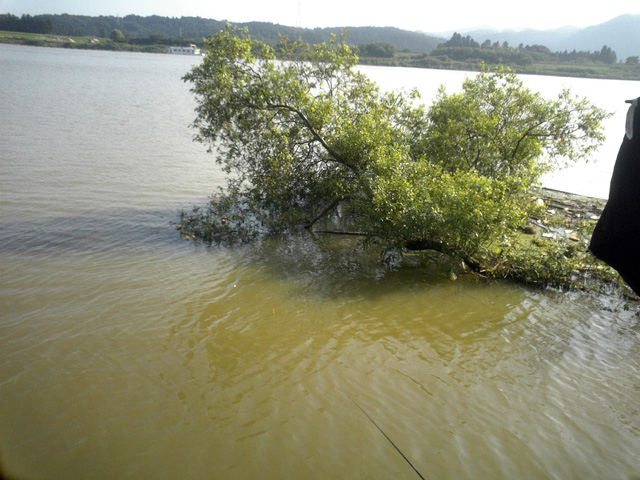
{"points": [[384, 46]]}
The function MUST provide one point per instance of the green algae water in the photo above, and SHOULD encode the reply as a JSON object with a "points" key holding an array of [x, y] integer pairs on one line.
{"points": [[127, 352]]}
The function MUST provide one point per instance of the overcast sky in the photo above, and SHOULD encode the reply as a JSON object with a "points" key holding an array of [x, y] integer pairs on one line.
{"points": [[406, 14]]}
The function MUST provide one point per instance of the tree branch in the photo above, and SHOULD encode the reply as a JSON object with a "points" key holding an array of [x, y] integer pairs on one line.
{"points": [[335, 155], [333, 205], [437, 246]]}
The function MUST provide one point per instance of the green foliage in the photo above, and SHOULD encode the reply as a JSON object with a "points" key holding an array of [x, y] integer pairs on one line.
{"points": [[117, 36], [379, 49], [458, 212], [461, 48], [503, 130], [301, 137], [466, 178], [26, 24], [296, 137]]}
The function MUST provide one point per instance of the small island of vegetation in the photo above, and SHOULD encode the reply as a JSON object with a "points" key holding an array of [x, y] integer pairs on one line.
{"points": [[313, 140]]}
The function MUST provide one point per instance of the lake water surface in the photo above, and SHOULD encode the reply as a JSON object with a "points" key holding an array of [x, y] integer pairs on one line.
{"points": [[127, 352]]}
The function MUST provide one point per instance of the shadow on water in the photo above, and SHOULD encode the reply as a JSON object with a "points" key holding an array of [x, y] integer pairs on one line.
{"points": [[317, 266], [329, 266], [326, 266], [118, 230], [321, 266]]}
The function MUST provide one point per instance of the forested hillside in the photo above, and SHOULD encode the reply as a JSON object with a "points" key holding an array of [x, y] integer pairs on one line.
{"points": [[194, 29], [621, 34], [461, 48]]}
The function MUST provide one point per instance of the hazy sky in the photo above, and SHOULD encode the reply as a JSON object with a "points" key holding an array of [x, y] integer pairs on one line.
{"points": [[406, 14]]}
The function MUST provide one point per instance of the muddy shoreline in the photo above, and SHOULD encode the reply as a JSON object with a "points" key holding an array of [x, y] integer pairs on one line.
{"points": [[571, 205]]}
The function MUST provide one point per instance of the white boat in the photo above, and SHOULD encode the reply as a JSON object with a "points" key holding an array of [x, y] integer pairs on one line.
{"points": [[190, 50]]}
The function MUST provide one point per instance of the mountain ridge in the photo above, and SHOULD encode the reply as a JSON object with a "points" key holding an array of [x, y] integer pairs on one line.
{"points": [[621, 33]]}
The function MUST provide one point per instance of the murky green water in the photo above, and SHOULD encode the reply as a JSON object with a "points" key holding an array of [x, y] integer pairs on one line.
{"points": [[127, 352]]}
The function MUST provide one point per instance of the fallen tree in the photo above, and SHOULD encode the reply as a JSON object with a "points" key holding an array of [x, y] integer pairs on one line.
{"points": [[304, 137]]}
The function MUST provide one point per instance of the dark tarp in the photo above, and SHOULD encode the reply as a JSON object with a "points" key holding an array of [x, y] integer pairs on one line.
{"points": [[616, 237]]}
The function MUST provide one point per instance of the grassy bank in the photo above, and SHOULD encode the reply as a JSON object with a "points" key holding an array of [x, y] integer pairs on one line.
{"points": [[617, 71]]}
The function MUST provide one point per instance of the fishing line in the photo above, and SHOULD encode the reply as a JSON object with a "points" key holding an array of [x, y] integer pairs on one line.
{"points": [[387, 437]]}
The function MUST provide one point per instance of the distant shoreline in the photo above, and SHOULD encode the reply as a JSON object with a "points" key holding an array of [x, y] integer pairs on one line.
{"points": [[613, 72]]}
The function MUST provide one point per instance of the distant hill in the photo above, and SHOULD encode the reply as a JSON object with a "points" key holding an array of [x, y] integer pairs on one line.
{"points": [[403, 39], [196, 28], [622, 34]]}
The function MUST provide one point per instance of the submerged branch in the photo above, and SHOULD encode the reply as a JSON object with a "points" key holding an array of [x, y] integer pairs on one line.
{"points": [[440, 247]]}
